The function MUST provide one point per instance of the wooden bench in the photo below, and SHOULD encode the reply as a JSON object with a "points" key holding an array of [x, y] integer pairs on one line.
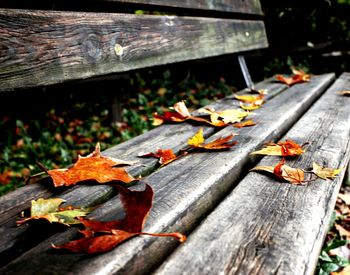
{"points": [[236, 222]]}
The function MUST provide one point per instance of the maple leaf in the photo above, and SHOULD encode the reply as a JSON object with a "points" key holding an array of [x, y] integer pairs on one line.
{"points": [[92, 167], [222, 118], [283, 171], [298, 76], [137, 205], [347, 93], [287, 148], [323, 172], [247, 123], [197, 141], [181, 114], [165, 156], [49, 209]]}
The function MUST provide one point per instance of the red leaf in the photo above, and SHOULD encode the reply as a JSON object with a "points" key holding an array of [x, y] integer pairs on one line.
{"points": [[92, 167], [137, 205], [165, 156]]}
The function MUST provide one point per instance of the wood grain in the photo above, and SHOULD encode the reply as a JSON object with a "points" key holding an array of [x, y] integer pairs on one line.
{"points": [[185, 191], [249, 7], [44, 47], [270, 227], [167, 136]]}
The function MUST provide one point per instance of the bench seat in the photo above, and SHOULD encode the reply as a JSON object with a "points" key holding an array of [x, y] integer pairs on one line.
{"points": [[192, 187]]}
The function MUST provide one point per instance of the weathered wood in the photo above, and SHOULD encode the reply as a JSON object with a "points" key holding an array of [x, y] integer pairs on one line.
{"points": [[166, 136], [270, 227], [185, 191], [248, 6], [44, 47]]}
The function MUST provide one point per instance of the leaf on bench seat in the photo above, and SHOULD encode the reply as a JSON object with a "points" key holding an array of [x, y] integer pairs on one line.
{"points": [[225, 117], [247, 123], [165, 156], [49, 209], [287, 148], [298, 76], [96, 167], [137, 205], [324, 172], [197, 142], [347, 93], [283, 171]]}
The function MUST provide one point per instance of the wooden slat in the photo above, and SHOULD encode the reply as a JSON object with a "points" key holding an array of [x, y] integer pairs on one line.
{"points": [[185, 191], [166, 136], [269, 227], [239, 6], [44, 47]]}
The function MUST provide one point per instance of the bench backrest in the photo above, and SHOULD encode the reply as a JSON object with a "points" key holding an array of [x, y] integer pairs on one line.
{"points": [[41, 47]]}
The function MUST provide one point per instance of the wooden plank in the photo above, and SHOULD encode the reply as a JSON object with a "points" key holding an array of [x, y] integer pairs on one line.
{"points": [[185, 191], [269, 227], [166, 136], [45, 47], [248, 6]]}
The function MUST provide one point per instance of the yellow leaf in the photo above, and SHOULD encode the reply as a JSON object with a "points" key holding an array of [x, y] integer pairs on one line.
{"points": [[248, 98], [324, 172], [197, 139], [251, 107], [263, 168], [224, 117]]}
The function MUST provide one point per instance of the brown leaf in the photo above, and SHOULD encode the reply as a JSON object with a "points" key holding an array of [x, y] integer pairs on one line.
{"points": [[247, 123], [137, 205], [287, 148], [347, 93], [197, 141], [283, 171], [92, 167]]}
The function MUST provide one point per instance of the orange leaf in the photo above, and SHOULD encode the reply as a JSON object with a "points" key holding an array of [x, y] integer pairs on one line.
{"points": [[247, 123], [297, 77], [287, 148], [165, 156], [92, 167], [137, 205], [197, 141], [283, 171]]}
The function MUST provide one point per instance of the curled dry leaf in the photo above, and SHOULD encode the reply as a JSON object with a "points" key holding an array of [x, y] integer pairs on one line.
{"points": [[49, 209], [287, 148], [92, 167], [255, 99], [283, 171], [324, 172], [137, 205], [347, 93], [247, 123], [165, 156], [197, 141], [298, 76]]}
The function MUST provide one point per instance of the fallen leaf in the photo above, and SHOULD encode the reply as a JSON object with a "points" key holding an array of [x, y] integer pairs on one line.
{"points": [[250, 107], [342, 231], [283, 171], [137, 205], [165, 156], [255, 99], [345, 198], [324, 172], [287, 148], [298, 76], [222, 118], [347, 93], [92, 167], [197, 141], [49, 209], [247, 123]]}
